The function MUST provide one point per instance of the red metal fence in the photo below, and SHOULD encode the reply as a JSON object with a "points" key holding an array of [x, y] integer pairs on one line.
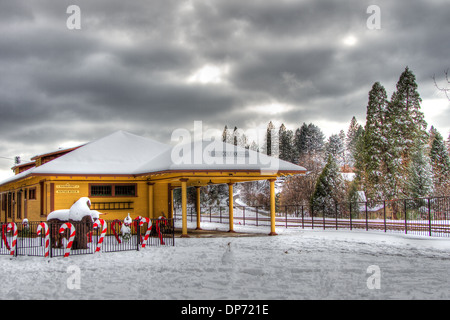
{"points": [[427, 216], [47, 241]]}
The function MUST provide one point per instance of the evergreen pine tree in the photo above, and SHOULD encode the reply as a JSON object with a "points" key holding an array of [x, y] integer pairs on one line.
{"points": [[254, 146], [353, 197], [344, 154], [285, 143], [335, 148], [405, 126], [315, 139], [440, 162], [226, 136], [329, 188], [420, 175], [350, 141], [300, 141], [296, 145], [271, 141], [236, 136], [448, 144], [375, 144]]}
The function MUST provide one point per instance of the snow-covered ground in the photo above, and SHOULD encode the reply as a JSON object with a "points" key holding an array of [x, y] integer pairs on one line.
{"points": [[296, 264]]}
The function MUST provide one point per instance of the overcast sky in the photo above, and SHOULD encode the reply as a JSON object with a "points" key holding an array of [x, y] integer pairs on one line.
{"points": [[150, 67]]}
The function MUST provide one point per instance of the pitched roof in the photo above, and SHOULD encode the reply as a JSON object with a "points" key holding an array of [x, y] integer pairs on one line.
{"points": [[117, 153], [215, 155], [123, 153]]}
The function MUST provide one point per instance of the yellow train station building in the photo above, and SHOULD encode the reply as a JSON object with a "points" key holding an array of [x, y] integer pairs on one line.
{"points": [[124, 173]]}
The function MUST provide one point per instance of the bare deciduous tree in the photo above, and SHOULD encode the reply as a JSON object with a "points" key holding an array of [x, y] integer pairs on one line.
{"points": [[445, 88]]}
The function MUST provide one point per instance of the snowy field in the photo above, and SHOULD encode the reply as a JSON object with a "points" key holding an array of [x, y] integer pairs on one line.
{"points": [[295, 265]]}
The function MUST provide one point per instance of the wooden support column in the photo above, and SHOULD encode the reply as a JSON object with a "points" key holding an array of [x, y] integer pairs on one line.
{"points": [[150, 199], [184, 233], [230, 206], [272, 207], [197, 207], [170, 204]]}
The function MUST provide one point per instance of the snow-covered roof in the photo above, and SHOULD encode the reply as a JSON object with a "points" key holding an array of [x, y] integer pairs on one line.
{"points": [[123, 153], [117, 153], [215, 155]]}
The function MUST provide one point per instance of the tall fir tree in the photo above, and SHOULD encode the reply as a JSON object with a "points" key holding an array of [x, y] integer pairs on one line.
{"points": [[376, 147], [226, 135], [440, 162], [448, 144], [285, 143], [405, 126], [300, 140], [350, 141], [271, 140], [344, 155]]}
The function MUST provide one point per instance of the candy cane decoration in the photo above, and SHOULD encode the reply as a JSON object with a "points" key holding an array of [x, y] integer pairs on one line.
{"points": [[47, 236], [104, 229], [113, 224], [65, 226], [149, 229], [5, 240], [12, 226]]}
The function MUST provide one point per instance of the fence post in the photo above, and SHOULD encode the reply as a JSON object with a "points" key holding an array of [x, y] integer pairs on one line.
{"points": [[323, 214], [285, 215], [336, 215], [173, 232], [367, 219], [312, 216], [303, 220], [256, 215], [406, 223], [138, 235], [429, 217], [50, 253], [384, 213], [350, 216], [243, 213]]}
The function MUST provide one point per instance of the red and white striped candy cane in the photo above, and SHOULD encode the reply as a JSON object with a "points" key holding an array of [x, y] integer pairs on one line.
{"points": [[104, 229], [5, 240], [113, 227], [47, 236], [149, 229], [12, 226], [70, 226]]}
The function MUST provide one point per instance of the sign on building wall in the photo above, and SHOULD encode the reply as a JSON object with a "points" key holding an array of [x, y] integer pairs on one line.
{"points": [[67, 188]]}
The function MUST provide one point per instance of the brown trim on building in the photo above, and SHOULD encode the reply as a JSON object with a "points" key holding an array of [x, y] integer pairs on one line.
{"points": [[42, 197], [52, 197]]}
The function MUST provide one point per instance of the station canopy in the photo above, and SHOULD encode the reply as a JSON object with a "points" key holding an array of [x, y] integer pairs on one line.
{"points": [[124, 153]]}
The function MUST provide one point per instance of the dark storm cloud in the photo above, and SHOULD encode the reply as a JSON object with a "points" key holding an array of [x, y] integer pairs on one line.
{"points": [[128, 66]]}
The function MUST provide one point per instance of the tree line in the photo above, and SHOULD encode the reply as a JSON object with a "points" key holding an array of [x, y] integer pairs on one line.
{"points": [[392, 156]]}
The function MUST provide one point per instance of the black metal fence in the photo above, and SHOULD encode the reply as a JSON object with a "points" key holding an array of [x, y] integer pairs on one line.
{"points": [[38, 239], [427, 216]]}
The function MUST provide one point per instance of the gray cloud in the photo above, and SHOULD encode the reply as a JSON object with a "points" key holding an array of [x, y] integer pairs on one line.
{"points": [[127, 68]]}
